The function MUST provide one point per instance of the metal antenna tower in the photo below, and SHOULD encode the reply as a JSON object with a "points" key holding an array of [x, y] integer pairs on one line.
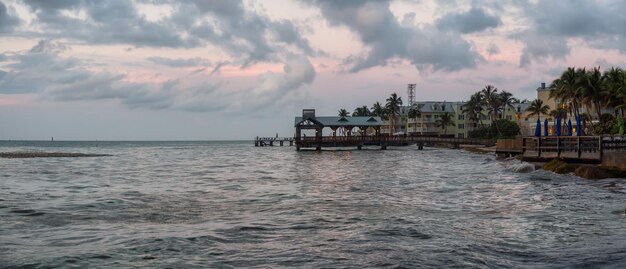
{"points": [[411, 92]]}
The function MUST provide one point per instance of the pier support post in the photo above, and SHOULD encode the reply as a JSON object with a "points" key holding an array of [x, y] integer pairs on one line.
{"points": [[281, 143], [538, 146], [271, 143], [358, 147], [290, 143], [420, 146], [318, 148], [600, 148]]}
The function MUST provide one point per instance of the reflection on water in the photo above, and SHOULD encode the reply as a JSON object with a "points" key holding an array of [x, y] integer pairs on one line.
{"points": [[229, 204]]}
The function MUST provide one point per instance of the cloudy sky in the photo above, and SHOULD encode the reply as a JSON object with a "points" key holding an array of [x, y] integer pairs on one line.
{"points": [[220, 70]]}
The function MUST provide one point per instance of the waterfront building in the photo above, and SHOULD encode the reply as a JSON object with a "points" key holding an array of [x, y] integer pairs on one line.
{"points": [[543, 93], [431, 111]]}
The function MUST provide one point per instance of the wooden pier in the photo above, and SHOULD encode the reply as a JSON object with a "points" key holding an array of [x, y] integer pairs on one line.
{"points": [[383, 142], [584, 149], [272, 141]]}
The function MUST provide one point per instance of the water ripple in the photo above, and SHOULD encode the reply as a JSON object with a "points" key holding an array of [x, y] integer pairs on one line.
{"points": [[229, 204]]}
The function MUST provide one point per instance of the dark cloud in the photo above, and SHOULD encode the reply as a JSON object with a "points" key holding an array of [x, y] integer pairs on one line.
{"points": [[474, 20], [246, 35], [426, 47], [7, 20], [243, 32], [273, 87], [180, 62], [44, 71], [552, 24], [493, 49], [47, 5]]}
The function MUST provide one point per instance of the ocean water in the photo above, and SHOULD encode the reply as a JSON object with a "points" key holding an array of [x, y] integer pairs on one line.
{"points": [[230, 204]]}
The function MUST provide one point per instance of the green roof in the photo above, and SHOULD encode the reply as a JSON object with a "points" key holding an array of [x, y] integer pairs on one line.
{"points": [[336, 121]]}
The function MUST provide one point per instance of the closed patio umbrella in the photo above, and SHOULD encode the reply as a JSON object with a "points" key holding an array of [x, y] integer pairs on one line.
{"points": [[578, 127], [558, 126], [538, 129], [569, 127], [545, 127]]}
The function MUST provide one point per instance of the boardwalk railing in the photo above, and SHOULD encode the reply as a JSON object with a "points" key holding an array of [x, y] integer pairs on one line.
{"points": [[572, 147], [271, 141], [383, 141]]}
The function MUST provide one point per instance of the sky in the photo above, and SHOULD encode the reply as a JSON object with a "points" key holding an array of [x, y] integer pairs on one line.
{"points": [[233, 70]]}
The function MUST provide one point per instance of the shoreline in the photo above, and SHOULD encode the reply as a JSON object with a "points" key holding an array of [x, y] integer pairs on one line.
{"points": [[559, 166]]}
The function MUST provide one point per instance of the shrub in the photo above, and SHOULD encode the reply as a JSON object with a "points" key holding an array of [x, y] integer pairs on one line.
{"points": [[508, 129]]}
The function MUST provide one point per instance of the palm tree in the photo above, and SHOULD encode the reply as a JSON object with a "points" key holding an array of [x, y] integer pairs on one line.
{"points": [[615, 89], [415, 113], [474, 108], [379, 110], [393, 108], [361, 111], [444, 121], [558, 113], [491, 100], [567, 88], [537, 107], [343, 113], [507, 100], [592, 95]]}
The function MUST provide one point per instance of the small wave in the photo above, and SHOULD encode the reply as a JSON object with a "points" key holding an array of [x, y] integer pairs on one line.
{"points": [[404, 232], [252, 228], [522, 167], [27, 212]]}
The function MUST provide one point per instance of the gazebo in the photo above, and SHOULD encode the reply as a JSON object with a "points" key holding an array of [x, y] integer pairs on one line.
{"points": [[310, 121]]}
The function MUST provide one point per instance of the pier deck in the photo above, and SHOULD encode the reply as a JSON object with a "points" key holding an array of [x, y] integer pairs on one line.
{"points": [[584, 149], [272, 141], [383, 141]]}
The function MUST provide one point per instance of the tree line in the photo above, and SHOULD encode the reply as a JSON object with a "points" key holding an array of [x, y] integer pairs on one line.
{"points": [[593, 89], [494, 103], [391, 110], [575, 88]]}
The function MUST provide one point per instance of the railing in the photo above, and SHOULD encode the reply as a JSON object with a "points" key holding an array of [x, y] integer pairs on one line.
{"points": [[269, 141], [580, 147], [390, 140], [273, 139]]}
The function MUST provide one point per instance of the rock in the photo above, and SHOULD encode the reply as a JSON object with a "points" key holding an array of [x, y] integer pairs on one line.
{"points": [[596, 172], [37, 154], [589, 172], [558, 166]]}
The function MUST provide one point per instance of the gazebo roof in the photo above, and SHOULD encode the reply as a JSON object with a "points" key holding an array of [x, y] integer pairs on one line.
{"points": [[335, 121]]}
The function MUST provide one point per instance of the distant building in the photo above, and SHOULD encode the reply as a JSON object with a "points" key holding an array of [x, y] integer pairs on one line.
{"points": [[431, 111]]}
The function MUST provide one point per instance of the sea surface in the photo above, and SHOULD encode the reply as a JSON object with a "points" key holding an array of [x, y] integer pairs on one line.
{"points": [[231, 205]]}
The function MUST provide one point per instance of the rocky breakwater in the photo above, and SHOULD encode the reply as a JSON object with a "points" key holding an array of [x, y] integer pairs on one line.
{"points": [[584, 171], [38, 154]]}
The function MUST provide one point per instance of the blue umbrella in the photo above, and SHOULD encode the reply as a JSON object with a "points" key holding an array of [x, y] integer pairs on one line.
{"points": [[538, 129], [558, 126], [578, 127], [569, 127], [545, 127]]}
